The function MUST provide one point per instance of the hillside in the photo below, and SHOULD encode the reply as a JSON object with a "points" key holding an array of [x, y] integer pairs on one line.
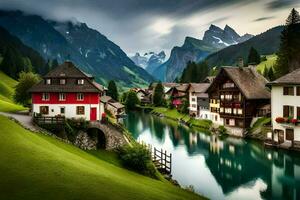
{"points": [[35, 166], [87, 48], [7, 85], [31, 58], [265, 43]]}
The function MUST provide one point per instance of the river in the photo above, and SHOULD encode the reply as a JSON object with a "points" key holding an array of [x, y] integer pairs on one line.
{"points": [[220, 168]]}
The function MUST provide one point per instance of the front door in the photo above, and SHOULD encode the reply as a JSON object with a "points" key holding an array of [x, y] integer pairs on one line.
{"points": [[280, 136], [93, 114]]}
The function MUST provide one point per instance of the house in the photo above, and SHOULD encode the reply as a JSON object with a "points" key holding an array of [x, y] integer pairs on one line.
{"points": [[143, 95], [115, 108], [198, 100], [236, 94], [177, 93], [167, 87], [69, 92], [285, 110]]}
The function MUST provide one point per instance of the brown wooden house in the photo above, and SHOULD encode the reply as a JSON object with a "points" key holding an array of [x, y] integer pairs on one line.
{"points": [[241, 92]]}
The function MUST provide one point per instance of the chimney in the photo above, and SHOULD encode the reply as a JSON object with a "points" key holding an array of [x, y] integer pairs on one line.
{"points": [[240, 62]]}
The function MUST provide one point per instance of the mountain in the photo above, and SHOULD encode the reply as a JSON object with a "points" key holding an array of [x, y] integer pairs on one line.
{"points": [[265, 43], [29, 57], [149, 61], [196, 50], [87, 48]]}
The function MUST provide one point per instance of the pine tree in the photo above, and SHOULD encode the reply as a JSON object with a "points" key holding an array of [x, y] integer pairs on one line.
{"points": [[289, 50], [54, 63], [266, 73], [12, 63], [131, 100], [194, 72], [293, 18], [113, 90], [158, 96], [271, 74], [253, 57]]}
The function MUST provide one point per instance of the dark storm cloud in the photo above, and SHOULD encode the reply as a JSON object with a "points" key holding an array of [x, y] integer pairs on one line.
{"points": [[263, 18], [279, 4]]}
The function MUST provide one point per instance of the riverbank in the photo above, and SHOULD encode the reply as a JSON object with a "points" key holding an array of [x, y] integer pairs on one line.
{"points": [[181, 118]]}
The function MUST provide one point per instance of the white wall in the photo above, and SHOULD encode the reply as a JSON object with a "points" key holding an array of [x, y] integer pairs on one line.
{"points": [[70, 110], [191, 108], [278, 100]]}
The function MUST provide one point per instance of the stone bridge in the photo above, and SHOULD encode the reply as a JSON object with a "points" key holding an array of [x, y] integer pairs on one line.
{"points": [[100, 135]]}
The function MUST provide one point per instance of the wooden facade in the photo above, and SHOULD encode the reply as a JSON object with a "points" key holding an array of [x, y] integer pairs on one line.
{"points": [[236, 109]]}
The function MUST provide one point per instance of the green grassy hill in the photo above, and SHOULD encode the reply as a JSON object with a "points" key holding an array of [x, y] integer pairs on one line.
{"points": [[35, 166], [7, 85], [270, 62]]}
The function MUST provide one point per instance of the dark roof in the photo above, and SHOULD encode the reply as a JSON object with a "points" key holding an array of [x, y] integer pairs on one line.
{"points": [[71, 73], [292, 78], [199, 87], [105, 99], [247, 79], [116, 104], [209, 79]]}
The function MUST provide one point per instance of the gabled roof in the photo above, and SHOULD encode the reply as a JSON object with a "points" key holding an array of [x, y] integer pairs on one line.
{"points": [[105, 99], [247, 79], [67, 69], [292, 78], [71, 73], [116, 104], [199, 87]]}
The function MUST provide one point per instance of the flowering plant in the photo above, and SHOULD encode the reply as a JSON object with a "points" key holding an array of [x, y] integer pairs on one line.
{"points": [[294, 121], [280, 120]]}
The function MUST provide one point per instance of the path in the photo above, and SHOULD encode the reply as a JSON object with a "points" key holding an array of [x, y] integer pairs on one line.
{"points": [[25, 120]]}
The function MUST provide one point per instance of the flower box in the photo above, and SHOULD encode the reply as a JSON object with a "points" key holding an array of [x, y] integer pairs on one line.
{"points": [[287, 121]]}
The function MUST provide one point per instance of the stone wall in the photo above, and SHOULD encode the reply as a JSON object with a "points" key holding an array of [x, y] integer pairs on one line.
{"points": [[85, 142]]}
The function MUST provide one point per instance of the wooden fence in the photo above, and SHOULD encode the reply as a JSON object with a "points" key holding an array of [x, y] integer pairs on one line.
{"points": [[161, 159], [49, 120]]}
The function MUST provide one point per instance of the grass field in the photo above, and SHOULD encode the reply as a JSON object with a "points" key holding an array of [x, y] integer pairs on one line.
{"points": [[174, 114], [270, 62], [7, 85], [35, 166]]}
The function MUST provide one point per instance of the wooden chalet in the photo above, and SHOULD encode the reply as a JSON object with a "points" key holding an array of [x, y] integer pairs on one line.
{"points": [[240, 92]]}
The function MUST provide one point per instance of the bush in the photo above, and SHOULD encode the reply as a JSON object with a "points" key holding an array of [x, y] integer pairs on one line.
{"points": [[137, 158], [79, 124], [222, 130]]}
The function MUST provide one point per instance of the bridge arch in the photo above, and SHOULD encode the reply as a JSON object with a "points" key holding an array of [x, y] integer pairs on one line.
{"points": [[108, 137]]}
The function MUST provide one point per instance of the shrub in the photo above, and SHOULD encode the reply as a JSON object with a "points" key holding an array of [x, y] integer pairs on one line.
{"points": [[294, 121], [137, 158], [222, 130]]}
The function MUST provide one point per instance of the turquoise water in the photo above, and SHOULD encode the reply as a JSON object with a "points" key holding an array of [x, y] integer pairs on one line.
{"points": [[228, 168]]}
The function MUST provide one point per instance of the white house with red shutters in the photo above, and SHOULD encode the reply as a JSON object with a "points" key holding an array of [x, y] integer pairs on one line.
{"points": [[67, 91]]}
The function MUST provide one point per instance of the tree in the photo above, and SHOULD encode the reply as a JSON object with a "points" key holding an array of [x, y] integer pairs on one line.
{"points": [[54, 63], [293, 17], [271, 75], [132, 100], [194, 72], [158, 96], [266, 72], [12, 63], [112, 90], [26, 81], [288, 56], [253, 57]]}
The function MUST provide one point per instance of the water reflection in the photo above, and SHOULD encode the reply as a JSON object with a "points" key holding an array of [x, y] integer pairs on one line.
{"points": [[227, 168]]}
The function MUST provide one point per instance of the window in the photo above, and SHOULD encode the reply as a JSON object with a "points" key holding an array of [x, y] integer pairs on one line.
{"points": [[62, 110], [240, 111], [48, 81], [44, 110], [298, 90], [80, 81], [62, 97], [231, 122], [193, 99], [228, 97], [298, 113], [289, 134], [288, 111], [45, 97], [62, 81], [222, 96], [228, 85], [194, 105], [221, 110], [228, 110], [288, 91], [80, 110], [80, 96]]}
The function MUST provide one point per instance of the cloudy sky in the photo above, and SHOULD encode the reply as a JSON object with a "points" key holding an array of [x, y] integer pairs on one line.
{"points": [[154, 25]]}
